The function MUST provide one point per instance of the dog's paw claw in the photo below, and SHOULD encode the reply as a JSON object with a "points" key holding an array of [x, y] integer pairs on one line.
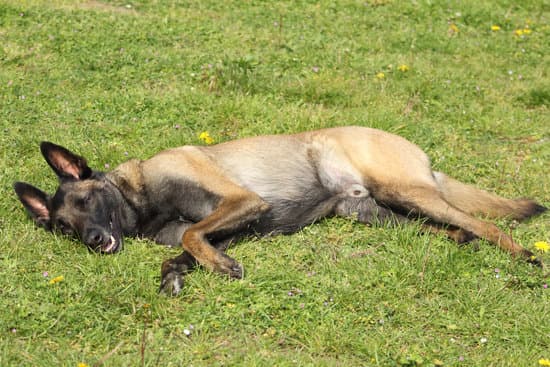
{"points": [[230, 267], [536, 261], [237, 271]]}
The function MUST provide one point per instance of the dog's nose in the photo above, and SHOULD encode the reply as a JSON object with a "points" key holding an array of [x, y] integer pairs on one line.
{"points": [[94, 237]]}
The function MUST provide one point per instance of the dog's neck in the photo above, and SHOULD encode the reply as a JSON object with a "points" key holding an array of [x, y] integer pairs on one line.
{"points": [[127, 182]]}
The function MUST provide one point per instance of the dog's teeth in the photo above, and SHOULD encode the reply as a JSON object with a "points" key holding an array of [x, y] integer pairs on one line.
{"points": [[111, 244]]}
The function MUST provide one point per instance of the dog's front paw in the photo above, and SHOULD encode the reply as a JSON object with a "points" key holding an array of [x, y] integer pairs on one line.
{"points": [[237, 271], [171, 282], [231, 267]]}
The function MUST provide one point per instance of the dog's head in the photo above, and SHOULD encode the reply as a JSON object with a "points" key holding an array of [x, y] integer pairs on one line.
{"points": [[84, 205]]}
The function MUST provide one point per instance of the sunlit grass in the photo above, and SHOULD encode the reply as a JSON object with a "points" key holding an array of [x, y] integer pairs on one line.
{"points": [[467, 81]]}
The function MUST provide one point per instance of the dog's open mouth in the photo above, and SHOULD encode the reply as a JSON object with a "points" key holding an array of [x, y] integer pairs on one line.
{"points": [[114, 243], [111, 246]]}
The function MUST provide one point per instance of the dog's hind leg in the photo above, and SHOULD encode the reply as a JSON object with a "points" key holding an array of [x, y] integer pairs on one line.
{"points": [[427, 201], [367, 210]]}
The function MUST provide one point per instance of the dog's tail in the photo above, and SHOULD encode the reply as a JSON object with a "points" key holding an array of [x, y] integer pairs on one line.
{"points": [[479, 202]]}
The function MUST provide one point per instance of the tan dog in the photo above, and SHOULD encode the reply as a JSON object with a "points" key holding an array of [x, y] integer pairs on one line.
{"points": [[206, 197]]}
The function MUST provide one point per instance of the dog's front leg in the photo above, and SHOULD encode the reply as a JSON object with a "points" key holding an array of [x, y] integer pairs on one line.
{"points": [[174, 269], [232, 214]]}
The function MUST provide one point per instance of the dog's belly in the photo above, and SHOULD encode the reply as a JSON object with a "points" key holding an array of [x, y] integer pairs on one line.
{"points": [[283, 173], [300, 180], [287, 216], [294, 193]]}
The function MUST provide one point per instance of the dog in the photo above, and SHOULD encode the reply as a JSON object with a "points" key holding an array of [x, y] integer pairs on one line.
{"points": [[206, 197]]}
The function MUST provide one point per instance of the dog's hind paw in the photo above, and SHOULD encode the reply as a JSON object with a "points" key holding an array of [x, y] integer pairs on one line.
{"points": [[532, 259]]}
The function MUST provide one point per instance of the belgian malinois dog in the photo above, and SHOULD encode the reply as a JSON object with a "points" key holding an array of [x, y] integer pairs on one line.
{"points": [[205, 197]]}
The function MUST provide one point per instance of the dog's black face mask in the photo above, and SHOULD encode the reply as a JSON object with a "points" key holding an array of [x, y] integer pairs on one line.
{"points": [[83, 206]]}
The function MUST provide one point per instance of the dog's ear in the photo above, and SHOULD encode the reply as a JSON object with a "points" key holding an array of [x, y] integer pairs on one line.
{"points": [[36, 203], [65, 164]]}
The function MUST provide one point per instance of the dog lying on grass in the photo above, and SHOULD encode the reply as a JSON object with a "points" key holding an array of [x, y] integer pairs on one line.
{"points": [[205, 197]]}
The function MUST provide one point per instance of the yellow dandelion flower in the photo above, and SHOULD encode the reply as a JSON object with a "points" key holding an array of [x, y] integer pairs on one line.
{"points": [[453, 28], [403, 68], [542, 246], [205, 137], [518, 32], [495, 28], [526, 31], [380, 75], [57, 279], [544, 362], [82, 364]]}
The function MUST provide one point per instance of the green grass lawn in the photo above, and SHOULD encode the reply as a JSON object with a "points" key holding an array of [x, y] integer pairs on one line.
{"points": [[119, 79]]}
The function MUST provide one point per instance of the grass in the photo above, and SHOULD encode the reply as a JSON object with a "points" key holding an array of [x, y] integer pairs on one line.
{"points": [[114, 80]]}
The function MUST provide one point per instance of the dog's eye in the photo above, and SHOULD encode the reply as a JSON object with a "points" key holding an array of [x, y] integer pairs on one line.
{"points": [[64, 227]]}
